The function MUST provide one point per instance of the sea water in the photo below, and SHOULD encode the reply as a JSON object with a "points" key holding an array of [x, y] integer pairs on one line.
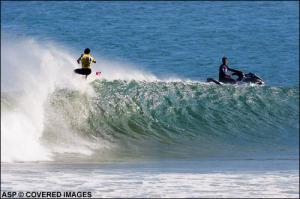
{"points": [[149, 125]]}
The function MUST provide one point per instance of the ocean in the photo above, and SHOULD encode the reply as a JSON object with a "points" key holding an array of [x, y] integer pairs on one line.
{"points": [[150, 125]]}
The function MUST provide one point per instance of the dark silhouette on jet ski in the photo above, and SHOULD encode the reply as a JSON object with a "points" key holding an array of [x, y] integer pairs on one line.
{"points": [[226, 78], [241, 78]]}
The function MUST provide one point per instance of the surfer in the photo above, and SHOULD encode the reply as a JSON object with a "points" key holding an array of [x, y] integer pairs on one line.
{"points": [[86, 59], [226, 78]]}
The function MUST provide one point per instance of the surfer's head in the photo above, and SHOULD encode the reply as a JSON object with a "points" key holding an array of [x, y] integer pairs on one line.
{"points": [[224, 60], [87, 51]]}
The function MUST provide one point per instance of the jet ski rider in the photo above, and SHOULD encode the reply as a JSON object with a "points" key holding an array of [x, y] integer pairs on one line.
{"points": [[226, 78]]}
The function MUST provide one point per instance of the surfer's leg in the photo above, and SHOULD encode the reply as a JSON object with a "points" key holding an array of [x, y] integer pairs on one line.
{"points": [[87, 71]]}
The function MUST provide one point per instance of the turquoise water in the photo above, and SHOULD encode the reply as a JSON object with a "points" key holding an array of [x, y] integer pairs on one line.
{"points": [[184, 39], [159, 120], [150, 126]]}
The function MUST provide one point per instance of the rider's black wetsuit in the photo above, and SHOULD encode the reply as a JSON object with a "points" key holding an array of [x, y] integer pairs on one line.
{"points": [[223, 77]]}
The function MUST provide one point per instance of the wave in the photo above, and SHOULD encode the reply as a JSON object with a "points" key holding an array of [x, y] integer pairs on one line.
{"points": [[180, 118], [138, 119], [52, 115]]}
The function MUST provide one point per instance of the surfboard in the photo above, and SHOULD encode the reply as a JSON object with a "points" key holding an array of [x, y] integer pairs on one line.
{"points": [[91, 77]]}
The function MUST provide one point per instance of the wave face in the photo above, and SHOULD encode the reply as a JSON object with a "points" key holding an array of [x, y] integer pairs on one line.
{"points": [[48, 114], [179, 119]]}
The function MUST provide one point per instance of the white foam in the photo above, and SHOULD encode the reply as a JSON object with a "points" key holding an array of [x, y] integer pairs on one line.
{"points": [[34, 70], [139, 182]]}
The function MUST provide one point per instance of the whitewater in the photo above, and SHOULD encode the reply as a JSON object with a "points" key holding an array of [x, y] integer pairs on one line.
{"points": [[28, 83], [150, 125]]}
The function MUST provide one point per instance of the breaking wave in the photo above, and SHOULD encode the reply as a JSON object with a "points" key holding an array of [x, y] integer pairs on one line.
{"points": [[50, 114]]}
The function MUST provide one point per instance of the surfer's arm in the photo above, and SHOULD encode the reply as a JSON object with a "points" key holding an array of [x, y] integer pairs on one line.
{"points": [[93, 60], [78, 60]]}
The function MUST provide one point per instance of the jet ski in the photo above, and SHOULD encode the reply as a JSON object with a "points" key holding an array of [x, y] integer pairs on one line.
{"points": [[242, 78]]}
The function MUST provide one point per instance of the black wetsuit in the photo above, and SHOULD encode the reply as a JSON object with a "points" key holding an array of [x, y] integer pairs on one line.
{"points": [[223, 77]]}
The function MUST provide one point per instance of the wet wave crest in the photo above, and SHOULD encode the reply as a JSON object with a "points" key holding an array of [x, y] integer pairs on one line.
{"points": [[139, 118]]}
